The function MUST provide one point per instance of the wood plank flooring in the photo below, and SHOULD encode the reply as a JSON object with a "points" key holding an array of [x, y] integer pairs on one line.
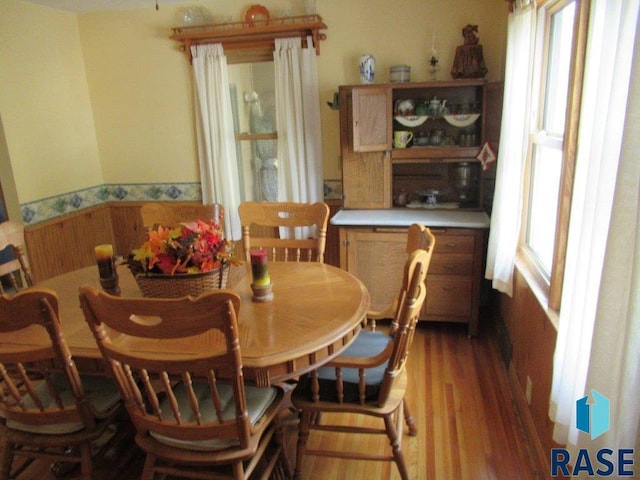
{"points": [[468, 426]]}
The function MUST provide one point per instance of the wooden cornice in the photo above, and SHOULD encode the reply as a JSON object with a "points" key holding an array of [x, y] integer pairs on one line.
{"points": [[245, 42]]}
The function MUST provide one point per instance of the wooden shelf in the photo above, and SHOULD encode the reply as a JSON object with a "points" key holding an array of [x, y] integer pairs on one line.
{"points": [[256, 136], [438, 154], [246, 42]]}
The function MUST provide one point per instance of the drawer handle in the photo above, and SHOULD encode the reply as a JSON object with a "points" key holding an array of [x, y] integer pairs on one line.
{"points": [[452, 245], [447, 288], [449, 267]]}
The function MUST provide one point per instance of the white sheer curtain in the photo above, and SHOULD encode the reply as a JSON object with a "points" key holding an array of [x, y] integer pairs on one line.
{"points": [[599, 300], [216, 140], [615, 350], [298, 119], [507, 203]]}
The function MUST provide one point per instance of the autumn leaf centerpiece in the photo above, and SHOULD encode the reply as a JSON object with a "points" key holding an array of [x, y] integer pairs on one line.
{"points": [[189, 248]]}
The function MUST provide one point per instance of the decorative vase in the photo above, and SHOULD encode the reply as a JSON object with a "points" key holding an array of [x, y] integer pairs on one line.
{"points": [[269, 180], [367, 68]]}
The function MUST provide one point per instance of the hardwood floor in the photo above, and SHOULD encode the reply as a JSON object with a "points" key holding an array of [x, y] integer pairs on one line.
{"points": [[468, 426]]}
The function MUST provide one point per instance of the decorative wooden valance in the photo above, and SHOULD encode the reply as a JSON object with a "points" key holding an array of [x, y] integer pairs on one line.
{"points": [[252, 41]]}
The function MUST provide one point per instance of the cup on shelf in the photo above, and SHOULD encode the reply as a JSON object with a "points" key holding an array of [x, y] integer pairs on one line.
{"points": [[401, 138]]}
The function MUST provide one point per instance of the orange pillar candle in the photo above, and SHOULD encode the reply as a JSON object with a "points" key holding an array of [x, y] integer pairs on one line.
{"points": [[259, 267], [104, 257]]}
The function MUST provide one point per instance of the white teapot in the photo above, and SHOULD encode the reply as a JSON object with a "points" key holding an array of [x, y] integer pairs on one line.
{"points": [[437, 107]]}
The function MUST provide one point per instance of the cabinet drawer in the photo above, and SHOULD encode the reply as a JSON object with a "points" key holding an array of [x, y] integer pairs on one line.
{"points": [[451, 264], [454, 244], [448, 296]]}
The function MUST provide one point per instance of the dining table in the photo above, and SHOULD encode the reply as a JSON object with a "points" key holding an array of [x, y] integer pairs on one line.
{"points": [[316, 312]]}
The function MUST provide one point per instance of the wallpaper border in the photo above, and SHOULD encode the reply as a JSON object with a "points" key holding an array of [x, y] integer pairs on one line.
{"points": [[59, 205]]}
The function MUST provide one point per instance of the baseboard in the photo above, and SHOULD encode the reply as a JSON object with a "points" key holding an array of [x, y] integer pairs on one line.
{"points": [[539, 459], [504, 341]]}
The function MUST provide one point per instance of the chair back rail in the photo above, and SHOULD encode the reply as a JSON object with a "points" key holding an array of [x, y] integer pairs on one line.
{"points": [[418, 237], [189, 411], [16, 269], [171, 214], [259, 219], [369, 378], [411, 299], [47, 409], [24, 370]]}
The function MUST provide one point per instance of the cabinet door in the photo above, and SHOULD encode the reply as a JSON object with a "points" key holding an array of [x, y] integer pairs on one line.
{"points": [[377, 259], [366, 175], [366, 180], [371, 121]]}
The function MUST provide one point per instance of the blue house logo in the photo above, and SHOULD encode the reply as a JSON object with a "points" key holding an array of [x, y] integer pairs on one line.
{"points": [[593, 418]]}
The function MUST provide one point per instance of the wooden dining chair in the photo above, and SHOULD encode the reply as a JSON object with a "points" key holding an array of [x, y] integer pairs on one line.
{"points": [[14, 272], [193, 414], [47, 410], [418, 237], [272, 225], [368, 379], [171, 214]]}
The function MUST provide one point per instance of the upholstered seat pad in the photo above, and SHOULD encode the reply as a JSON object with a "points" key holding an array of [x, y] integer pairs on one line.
{"points": [[102, 393], [366, 344], [258, 401]]}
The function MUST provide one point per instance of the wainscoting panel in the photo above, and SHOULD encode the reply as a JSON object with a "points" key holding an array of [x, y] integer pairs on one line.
{"points": [[532, 338], [128, 230], [66, 243]]}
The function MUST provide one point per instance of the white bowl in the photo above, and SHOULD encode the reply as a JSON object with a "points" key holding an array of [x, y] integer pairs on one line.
{"points": [[411, 120], [462, 120]]}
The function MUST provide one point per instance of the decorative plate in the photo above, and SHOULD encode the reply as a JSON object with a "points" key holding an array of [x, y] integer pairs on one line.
{"points": [[463, 120], [257, 14], [411, 120]]}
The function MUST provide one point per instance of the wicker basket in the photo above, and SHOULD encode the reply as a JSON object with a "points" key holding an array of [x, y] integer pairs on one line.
{"points": [[172, 286]]}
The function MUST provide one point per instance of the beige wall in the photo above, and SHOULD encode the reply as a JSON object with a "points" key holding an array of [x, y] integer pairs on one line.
{"points": [[44, 102], [113, 86]]}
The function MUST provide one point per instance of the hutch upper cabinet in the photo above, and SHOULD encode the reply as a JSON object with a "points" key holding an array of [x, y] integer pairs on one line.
{"points": [[439, 167], [436, 180]]}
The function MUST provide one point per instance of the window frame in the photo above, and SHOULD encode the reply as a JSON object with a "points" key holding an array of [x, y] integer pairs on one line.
{"points": [[551, 285]]}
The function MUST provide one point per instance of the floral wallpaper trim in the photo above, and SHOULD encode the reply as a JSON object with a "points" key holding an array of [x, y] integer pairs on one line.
{"points": [[53, 207]]}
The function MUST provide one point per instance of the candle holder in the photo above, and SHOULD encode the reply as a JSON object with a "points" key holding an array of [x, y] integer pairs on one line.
{"points": [[111, 285], [107, 272], [262, 293], [261, 285]]}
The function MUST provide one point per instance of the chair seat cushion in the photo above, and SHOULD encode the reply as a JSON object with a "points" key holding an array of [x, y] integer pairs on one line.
{"points": [[366, 344], [102, 393], [258, 401]]}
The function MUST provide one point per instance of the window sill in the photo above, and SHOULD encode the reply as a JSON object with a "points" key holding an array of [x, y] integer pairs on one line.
{"points": [[539, 290]]}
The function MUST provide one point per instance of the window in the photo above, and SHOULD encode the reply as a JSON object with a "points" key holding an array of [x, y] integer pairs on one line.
{"points": [[551, 149], [253, 101]]}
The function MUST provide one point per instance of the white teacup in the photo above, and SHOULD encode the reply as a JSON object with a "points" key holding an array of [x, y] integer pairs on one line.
{"points": [[401, 138]]}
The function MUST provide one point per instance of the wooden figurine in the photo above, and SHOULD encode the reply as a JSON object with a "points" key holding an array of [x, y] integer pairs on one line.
{"points": [[469, 60]]}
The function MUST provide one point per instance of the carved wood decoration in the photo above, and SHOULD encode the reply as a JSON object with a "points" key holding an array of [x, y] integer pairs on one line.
{"points": [[251, 41]]}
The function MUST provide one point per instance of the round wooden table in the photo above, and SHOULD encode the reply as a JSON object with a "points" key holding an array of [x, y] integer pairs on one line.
{"points": [[315, 314]]}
